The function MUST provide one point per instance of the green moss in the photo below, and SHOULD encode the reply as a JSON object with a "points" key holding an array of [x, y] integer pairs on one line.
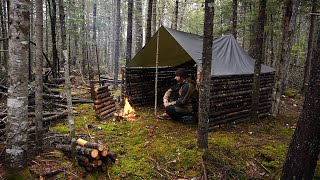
{"points": [[317, 171], [287, 132], [291, 93], [18, 174], [273, 155], [62, 128]]}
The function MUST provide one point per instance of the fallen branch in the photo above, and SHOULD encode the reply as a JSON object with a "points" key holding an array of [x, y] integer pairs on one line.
{"points": [[262, 166]]}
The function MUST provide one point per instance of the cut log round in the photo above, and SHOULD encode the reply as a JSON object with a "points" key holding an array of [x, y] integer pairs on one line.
{"points": [[92, 145]]}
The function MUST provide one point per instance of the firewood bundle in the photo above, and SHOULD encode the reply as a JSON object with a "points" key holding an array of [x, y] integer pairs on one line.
{"points": [[104, 105], [90, 155]]}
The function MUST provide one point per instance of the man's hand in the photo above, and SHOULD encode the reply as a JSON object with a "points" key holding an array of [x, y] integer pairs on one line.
{"points": [[165, 101]]}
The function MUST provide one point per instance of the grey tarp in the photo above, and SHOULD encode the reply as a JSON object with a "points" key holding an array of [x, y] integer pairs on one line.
{"points": [[176, 48]]}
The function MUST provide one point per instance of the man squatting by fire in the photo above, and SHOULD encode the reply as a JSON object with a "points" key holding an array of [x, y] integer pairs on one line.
{"points": [[181, 100]]}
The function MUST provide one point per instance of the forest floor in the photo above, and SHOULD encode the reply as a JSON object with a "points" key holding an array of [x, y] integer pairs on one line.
{"points": [[149, 148]]}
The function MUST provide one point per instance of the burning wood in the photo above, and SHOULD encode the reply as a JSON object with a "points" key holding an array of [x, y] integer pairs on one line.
{"points": [[127, 112]]}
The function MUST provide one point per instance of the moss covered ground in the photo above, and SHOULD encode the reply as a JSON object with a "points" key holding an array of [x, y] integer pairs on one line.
{"points": [[155, 149]]}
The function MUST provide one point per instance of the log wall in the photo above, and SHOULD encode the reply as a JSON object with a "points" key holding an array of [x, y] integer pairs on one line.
{"points": [[230, 98]]}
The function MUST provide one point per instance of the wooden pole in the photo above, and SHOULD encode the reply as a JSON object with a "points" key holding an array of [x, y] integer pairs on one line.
{"points": [[156, 78]]}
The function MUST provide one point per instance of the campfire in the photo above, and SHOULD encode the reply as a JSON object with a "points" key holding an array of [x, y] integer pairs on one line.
{"points": [[127, 112]]}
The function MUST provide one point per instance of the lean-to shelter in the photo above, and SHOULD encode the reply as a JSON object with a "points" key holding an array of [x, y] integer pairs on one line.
{"points": [[231, 74]]}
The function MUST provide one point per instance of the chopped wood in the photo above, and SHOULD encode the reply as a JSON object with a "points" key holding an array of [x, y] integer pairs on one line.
{"points": [[113, 156], [104, 104], [103, 95], [92, 145], [104, 152], [99, 111], [79, 149], [107, 112], [99, 101], [82, 158]]}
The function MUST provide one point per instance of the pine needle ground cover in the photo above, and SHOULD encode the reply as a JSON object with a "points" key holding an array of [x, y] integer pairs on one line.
{"points": [[155, 149]]}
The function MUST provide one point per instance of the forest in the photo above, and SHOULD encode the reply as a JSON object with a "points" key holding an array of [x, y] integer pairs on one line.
{"points": [[82, 84]]}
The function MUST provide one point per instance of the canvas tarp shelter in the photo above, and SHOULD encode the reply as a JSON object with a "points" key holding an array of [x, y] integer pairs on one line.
{"points": [[177, 47]]}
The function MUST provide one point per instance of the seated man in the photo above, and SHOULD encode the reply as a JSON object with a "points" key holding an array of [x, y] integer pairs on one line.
{"points": [[184, 108]]}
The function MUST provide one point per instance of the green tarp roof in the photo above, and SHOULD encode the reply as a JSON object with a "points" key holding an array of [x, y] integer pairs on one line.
{"points": [[177, 47]]}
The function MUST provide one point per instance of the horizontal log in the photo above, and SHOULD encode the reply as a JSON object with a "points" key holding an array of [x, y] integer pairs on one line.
{"points": [[239, 93], [99, 111], [56, 116], [103, 95], [99, 101], [107, 112], [103, 104], [103, 89], [83, 159], [106, 116], [79, 149], [91, 145]]}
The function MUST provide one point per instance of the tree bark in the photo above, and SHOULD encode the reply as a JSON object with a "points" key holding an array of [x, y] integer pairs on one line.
{"points": [[176, 12], [83, 37], [304, 148], [287, 34], [117, 45], [4, 34], [149, 17], [53, 19], [310, 46], [39, 76], [154, 16], [234, 18], [138, 25], [17, 102], [95, 36], [205, 75], [259, 59], [129, 31]]}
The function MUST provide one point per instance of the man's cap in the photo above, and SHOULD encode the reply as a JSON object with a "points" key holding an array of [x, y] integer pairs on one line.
{"points": [[182, 72]]}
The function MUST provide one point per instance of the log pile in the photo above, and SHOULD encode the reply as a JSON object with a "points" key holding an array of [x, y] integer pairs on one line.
{"points": [[90, 155], [230, 98], [104, 104]]}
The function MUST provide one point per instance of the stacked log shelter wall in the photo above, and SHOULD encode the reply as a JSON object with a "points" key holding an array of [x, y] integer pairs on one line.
{"points": [[230, 98]]}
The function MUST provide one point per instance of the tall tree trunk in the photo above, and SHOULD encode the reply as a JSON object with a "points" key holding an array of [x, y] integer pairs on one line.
{"points": [[272, 56], [287, 34], [205, 75], [83, 37], [66, 68], [259, 59], [234, 18], [138, 25], [176, 12], [39, 77], [304, 149], [95, 36], [310, 47], [183, 14], [221, 17], [117, 46], [30, 56], [129, 31], [4, 34], [154, 16], [149, 17], [17, 102], [53, 19]]}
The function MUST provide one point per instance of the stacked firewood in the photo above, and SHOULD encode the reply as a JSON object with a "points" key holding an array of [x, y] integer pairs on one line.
{"points": [[104, 104], [90, 155]]}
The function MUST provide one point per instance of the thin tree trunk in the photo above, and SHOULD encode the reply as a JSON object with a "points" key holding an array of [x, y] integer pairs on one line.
{"points": [[66, 68], [83, 37], [117, 46], [95, 36], [221, 17], [138, 26], [182, 16], [205, 75], [149, 17], [154, 16], [129, 31], [5, 35], [30, 57], [303, 152], [234, 18], [272, 56], [17, 102], [53, 19], [259, 59], [310, 46], [39, 77], [285, 50], [176, 12]]}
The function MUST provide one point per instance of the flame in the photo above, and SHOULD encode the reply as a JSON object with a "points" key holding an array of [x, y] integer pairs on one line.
{"points": [[128, 109]]}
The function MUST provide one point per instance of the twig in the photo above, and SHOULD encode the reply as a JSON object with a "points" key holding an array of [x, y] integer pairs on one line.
{"points": [[108, 174], [205, 173], [68, 172], [36, 163], [262, 166]]}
